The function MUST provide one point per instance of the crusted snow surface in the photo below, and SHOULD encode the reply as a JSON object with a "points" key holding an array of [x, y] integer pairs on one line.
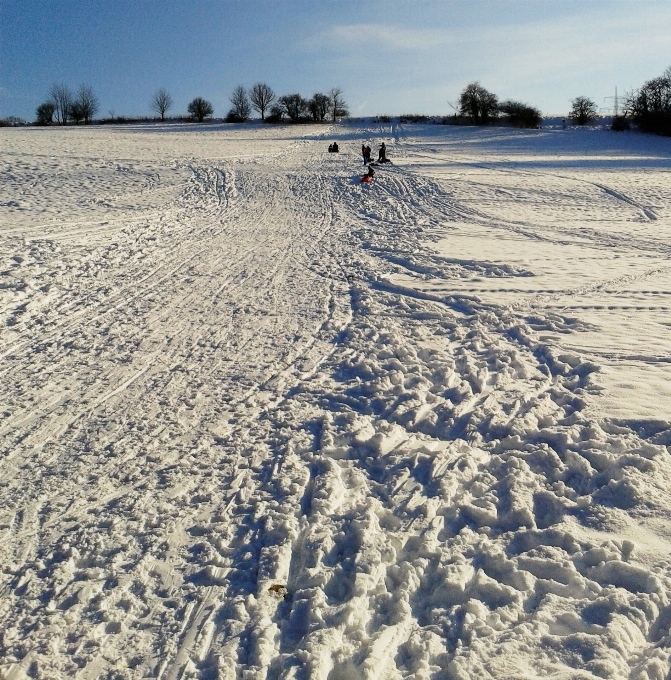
{"points": [[261, 422]]}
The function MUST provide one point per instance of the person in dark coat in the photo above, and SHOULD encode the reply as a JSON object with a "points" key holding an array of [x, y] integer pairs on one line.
{"points": [[366, 179]]}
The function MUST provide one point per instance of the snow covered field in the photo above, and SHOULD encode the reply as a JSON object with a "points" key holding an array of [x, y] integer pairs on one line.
{"points": [[259, 422]]}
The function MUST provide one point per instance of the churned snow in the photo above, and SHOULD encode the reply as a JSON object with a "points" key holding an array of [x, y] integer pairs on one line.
{"points": [[262, 422]]}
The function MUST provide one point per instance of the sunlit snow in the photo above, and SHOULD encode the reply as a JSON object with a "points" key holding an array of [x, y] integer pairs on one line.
{"points": [[262, 422]]}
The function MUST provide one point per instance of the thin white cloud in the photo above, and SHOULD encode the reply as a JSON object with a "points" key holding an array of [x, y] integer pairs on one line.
{"points": [[561, 50], [379, 35], [545, 60], [576, 34]]}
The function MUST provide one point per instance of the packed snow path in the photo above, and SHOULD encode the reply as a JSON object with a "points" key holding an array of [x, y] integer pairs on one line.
{"points": [[261, 422]]}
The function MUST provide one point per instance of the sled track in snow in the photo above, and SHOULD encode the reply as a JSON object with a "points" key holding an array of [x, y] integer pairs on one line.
{"points": [[236, 448]]}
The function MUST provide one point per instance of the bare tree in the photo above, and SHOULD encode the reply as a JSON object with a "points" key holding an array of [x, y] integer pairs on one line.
{"points": [[45, 113], [200, 109], [338, 106], [241, 108], [76, 112], [261, 96], [478, 104], [583, 109], [319, 106], [161, 102], [294, 106], [62, 99], [87, 102]]}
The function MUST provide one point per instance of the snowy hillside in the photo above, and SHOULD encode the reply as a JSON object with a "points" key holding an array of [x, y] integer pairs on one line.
{"points": [[261, 422]]}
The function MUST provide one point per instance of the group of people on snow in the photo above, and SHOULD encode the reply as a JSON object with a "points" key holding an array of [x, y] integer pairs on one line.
{"points": [[366, 153], [381, 158], [381, 154]]}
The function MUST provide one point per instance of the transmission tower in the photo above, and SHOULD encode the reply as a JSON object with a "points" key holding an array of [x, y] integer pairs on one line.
{"points": [[615, 102]]}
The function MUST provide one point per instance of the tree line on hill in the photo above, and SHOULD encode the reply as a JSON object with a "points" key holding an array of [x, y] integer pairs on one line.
{"points": [[63, 106], [478, 106], [295, 107], [482, 107], [649, 107]]}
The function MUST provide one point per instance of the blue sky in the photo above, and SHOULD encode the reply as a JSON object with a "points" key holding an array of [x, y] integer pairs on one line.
{"points": [[390, 56]]}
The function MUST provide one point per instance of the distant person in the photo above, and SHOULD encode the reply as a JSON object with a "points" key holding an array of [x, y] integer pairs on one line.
{"points": [[330, 148], [368, 153], [336, 148], [366, 179], [363, 153], [382, 153]]}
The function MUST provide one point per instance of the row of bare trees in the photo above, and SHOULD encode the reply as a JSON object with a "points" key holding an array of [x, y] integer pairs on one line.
{"points": [[65, 105], [199, 108], [261, 98]]}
